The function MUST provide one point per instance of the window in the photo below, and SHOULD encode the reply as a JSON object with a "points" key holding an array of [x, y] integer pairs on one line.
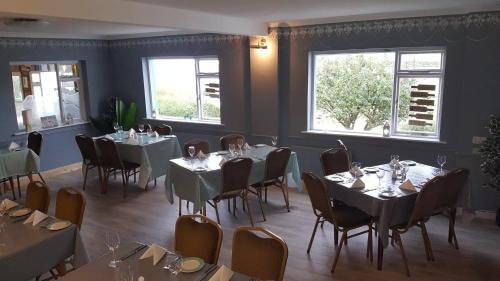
{"points": [[183, 88], [360, 92], [47, 91]]}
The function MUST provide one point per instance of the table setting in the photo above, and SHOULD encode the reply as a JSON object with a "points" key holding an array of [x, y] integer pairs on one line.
{"points": [[16, 159]]}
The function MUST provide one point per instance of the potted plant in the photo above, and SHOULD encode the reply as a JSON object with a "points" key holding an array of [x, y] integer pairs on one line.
{"points": [[490, 152], [115, 111]]}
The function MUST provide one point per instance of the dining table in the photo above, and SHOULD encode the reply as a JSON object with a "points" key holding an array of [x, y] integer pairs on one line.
{"points": [[198, 179], [152, 153], [17, 162], [129, 255], [27, 251], [387, 210]]}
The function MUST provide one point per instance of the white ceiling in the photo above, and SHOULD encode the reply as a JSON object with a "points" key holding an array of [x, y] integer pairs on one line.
{"points": [[111, 19]]}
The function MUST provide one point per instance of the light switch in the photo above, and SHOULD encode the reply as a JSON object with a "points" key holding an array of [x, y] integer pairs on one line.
{"points": [[478, 140]]}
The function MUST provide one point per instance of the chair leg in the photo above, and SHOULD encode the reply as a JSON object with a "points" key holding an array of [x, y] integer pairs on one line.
{"points": [[335, 235], [180, 206], [216, 211], [234, 206], [85, 176], [40, 175], [313, 234], [284, 189], [229, 205], [104, 183], [452, 237], [369, 250], [337, 252], [245, 200], [12, 188], [265, 194], [187, 204], [125, 182], [18, 186], [259, 197], [400, 243], [155, 181], [99, 173], [427, 243], [135, 176]]}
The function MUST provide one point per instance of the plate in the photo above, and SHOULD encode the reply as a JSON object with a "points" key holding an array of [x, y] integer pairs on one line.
{"points": [[409, 162], [199, 169], [58, 225], [370, 169], [192, 264], [388, 194], [222, 152], [260, 145], [335, 178], [20, 212]]}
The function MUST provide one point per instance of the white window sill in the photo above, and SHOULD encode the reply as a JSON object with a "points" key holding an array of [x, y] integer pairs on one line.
{"points": [[402, 138], [51, 129], [184, 121]]}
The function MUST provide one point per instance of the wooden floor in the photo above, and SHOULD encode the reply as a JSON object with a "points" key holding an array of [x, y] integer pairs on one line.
{"points": [[149, 217]]}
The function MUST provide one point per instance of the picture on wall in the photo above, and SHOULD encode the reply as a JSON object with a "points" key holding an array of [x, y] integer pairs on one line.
{"points": [[49, 121]]}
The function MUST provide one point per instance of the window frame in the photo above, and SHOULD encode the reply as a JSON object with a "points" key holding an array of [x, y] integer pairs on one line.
{"points": [[151, 104], [398, 73], [81, 84]]}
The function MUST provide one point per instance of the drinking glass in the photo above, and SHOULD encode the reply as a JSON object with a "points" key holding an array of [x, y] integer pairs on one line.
{"points": [[173, 259], [394, 160], [232, 149], [404, 171], [240, 145], [191, 152], [274, 140], [116, 126], [119, 132], [113, 242], [441, 160], [140, 127], [356, 168], [380, 175], [150, 132]]}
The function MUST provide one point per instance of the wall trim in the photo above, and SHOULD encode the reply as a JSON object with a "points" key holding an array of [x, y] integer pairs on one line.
{"points": [[420, 24], [205, 38], [51, 43]]}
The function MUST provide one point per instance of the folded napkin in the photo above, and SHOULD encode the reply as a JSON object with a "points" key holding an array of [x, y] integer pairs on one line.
{"points": [[222, 161], [13, 146], [9, 204], [247, 146], [201, 155], [36, 217], [356, 172], [223, 274], [408, 185], [155, 251], [132, 133], [358, 183]]}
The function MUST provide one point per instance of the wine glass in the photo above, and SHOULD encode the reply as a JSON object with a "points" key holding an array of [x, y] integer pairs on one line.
{"points": [[232, 149], [150, 132], [116, 125], [394, 160], [380, 175], [274, 140], [140, 127], [173, 259], [404, 171], [441, 160], [191, 152], [240, 145], [356, 169], [113, 242]]}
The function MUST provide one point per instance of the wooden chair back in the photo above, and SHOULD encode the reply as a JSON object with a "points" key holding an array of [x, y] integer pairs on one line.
{"points": [[318, 194], [70, 205], [109, 155], [87, 149], [335, 160], [427, 200], [163, 129], [35, 141], [202, 145], [37, 196], [226, 140], [259, 253], [198, 236], [455, 183], [276, 163], [235, 174]]}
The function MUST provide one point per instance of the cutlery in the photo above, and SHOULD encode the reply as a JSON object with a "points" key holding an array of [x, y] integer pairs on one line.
{"points": [[207, 271], [134, 251]]}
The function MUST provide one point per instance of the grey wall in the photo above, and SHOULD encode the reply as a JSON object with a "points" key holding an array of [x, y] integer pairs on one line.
{"points": [[59, 146]]}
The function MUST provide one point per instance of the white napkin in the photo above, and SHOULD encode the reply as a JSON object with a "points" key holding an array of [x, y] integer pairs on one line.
{"points": [[223, 274], [358, 183], [155, 251], [132, 134], [36, 217], [222, 161], [408, 185], [9, 204], [355, 171], [13, 146], [247, 147], [200, 155]]}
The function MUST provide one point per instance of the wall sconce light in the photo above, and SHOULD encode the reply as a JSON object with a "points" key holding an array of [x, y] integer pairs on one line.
{"points": [[261, 44]]}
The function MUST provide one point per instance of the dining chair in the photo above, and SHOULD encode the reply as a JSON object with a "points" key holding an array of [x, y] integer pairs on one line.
{"points": [[335, 160], [35, 141], [234, 184], [163, 129], [146, 127], [198, 236], [111, 161], [226, 140], [199, 145], [70, 205], [424, 208], [275, 174], [343, 219], [447, 202], [259, 253], [37, 196], [89, 155]]}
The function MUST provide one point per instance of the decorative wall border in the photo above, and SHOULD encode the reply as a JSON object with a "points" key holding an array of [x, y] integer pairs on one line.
{"points": [[175, 40], [442, 23], [6, 42]]}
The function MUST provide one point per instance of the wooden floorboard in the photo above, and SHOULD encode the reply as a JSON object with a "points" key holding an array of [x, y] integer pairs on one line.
{"points": [[149, 217]]}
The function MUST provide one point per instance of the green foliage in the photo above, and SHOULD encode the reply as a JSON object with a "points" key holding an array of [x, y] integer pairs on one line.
{"points": [[353, 86], [125, 117], [490, 152], [130, 117], [170, 104]]}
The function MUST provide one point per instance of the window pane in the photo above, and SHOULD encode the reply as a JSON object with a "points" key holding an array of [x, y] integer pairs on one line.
{"points": [[208, 65], [68, 70], [421, 61], [47, 100], [418, 105], [210, 97], [173, 87], [353, 92], [70, 93]]}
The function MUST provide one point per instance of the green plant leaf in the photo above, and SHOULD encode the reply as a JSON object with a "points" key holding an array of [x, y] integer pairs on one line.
{"points": [[129, 118]]}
